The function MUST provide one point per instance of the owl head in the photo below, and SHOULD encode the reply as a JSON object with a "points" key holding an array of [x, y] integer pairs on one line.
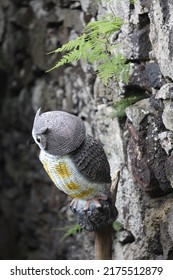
{"points": [[57, 132]]}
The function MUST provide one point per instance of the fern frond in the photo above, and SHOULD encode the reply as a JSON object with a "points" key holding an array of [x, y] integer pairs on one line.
{"points": [[114, 67], [105, 26], [96, 53], [121, 105], [71, 45], [133, 1], [72, 56], [105, 71], [121, 69], [93, 46], [71, 230]]}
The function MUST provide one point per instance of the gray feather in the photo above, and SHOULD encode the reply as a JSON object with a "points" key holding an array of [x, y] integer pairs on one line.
{"points": [[91, 160], [62, 131]]}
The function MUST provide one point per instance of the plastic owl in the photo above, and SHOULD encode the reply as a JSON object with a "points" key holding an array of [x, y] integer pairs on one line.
{"points": [[74, 160]]}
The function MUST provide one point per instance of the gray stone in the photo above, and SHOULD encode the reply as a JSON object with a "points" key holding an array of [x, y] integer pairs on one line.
{"points": [[38, 9], [161, 35], [153, 75], [145, 3], [137, 77], [140, 40], [167, 115], [147, 158], [137, 112], [170, 223], [103, 125], [37, 47], [165, 92], [74, 19], [125, 237], [168, 169], [166, 140], [85, 5], [24, 17], [165, 230]]}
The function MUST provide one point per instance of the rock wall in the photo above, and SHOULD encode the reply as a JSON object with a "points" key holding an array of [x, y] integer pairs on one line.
{"points": [[32, 211]]}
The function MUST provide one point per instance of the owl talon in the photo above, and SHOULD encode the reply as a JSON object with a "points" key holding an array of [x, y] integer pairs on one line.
{"points": [[96, 201], [74, 203]]}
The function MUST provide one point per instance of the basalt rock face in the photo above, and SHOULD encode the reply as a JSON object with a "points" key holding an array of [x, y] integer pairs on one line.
{"points": [[145, 193], [32, 210]]}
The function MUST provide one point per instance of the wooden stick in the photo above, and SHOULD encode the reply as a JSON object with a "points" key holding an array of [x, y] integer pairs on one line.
{"points": [[103, 243], [103, 236], [114, 186]]}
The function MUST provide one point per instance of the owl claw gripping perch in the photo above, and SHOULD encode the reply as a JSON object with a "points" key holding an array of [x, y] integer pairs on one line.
{"points": [[77, 164]]}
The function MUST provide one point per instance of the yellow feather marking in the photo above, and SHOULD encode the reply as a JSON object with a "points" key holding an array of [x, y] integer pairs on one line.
{"points": [[72, 186], [83, 194], [48, 171], [62, 170]]}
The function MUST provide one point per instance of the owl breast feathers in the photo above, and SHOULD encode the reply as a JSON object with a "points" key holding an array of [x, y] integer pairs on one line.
{"points": [[78, 166]]}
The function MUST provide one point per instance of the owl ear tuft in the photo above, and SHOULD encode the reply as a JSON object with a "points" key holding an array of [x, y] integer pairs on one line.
{"points": [[39, 112]]}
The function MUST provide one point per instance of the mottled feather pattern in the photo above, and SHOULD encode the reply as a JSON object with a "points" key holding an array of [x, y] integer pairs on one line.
{"points": [[91, 160], [66, 176], [76, 162]]}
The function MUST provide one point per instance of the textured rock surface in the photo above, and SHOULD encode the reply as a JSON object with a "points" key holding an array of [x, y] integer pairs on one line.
{"points": [[161, 35], [32, 210]]}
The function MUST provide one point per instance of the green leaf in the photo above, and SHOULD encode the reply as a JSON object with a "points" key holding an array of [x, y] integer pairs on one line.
{"points": [[121, 105], [117, 226], [94, 47], [71, 230]]}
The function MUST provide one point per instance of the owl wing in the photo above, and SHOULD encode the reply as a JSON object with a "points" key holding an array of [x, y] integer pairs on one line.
{"points": [[91, 160]]}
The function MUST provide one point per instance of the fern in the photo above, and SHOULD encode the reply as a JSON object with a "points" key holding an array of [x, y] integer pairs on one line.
{"points": [[117, 226], [121, 105], [70, 57], [71, 45], [114, 67], [71, 230], [94, 47], [133, 2]]}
